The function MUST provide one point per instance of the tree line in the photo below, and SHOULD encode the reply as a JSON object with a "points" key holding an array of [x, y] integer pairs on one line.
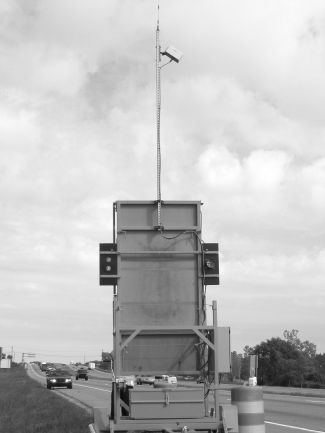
{"points": [[286, 361]]}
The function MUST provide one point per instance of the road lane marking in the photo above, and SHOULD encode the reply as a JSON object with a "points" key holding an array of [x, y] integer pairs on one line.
{"points": [[92, 387], [315, 401], [294, 427]]}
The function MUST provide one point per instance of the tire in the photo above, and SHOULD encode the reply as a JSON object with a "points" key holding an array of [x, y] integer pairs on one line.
{"points": [[77, 377], [69, 386], [48, 387], [86, 378]]}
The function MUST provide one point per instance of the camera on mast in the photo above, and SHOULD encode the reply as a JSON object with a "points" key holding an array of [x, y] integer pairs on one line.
{"points": [[173, 53]]}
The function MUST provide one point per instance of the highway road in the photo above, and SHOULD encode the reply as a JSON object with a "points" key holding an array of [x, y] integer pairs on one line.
{"points": [[298, 413], [283, 413], [95, 392]]}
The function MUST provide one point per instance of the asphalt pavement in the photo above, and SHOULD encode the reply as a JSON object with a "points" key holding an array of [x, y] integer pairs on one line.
{"points": [[287, 410]]}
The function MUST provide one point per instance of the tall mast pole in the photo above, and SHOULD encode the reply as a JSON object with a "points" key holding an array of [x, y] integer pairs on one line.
{"points": [[158, 108]]}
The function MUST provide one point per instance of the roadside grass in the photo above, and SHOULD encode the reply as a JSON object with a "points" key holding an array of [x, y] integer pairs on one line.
{"points": [[28, 407]]}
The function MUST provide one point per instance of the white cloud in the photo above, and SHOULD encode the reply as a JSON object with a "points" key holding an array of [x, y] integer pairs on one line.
{"points": [[220, 169], [262, 170], [313, 185], [242, 130], [16, 126], [46, 69], [266, 170]]}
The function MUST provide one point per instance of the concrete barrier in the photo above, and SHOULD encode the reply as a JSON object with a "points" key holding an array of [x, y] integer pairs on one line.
{"points": [[250, 406]]}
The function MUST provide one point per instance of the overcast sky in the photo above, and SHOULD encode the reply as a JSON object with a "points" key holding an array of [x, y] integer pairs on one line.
{"points": [[243, 130]]}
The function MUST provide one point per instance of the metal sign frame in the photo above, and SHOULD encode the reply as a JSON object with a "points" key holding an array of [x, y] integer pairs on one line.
{"points": [[143, 220]]}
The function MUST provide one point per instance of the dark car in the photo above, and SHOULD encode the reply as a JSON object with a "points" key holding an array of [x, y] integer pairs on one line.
{"points": [[58, 378], [82, 373], [145, 380]]}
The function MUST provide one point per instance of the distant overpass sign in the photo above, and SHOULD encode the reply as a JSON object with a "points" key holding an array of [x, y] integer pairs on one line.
{"points": [[28, 355]]}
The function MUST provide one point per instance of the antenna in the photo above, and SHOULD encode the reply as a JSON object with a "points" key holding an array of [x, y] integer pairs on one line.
{"points": [[174, 55], [158, 109]]}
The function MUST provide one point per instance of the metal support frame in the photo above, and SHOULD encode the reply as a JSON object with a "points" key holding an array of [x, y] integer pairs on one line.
{"points": [[124, 335], [216, 365], [153, 329], [122, 423]]}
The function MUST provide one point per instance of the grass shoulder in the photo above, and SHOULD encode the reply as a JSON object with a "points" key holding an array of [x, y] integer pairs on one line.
{"points": [[29, 407]]}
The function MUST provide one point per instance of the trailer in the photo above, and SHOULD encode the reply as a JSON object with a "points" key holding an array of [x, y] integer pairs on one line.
{"points": [[159, 267]]}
